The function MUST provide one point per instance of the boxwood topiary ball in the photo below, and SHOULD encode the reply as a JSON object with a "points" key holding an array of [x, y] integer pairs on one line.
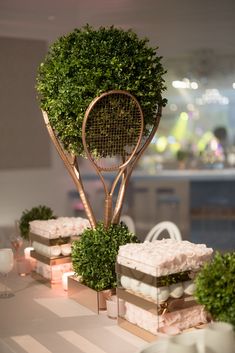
{"points": [[87, 62], [35, 213], [94, 255], [215, 287]]}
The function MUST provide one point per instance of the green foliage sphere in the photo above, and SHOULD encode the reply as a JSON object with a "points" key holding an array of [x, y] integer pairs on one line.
{"points": [[88, 62], [94, 255], [215, 287], [35, 213]]}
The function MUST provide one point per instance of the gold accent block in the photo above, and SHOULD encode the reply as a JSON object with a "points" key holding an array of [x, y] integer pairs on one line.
{"points": [[150, 279], [47, 241], [50, 261], [153, 307]]}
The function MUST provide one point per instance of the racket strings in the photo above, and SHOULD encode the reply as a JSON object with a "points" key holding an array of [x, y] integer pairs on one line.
{"points": [[113, 129]]}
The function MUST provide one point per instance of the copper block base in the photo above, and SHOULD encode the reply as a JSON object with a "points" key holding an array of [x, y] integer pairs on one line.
{"points": [[88, 297], [146, 335], [136, 330]]}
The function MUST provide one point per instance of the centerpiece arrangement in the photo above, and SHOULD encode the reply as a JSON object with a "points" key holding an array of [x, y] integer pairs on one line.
{"points": [[80, 67], [100, 93], [156, 281]]}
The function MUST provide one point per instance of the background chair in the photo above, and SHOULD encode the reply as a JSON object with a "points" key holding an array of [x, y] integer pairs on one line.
{"points": [[164, 229], [128, 221]]}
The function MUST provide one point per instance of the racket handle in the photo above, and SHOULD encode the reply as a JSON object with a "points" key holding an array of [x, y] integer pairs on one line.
{"points": [[108, 211]]}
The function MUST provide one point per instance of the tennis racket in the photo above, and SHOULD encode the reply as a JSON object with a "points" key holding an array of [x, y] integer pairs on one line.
{"points": [[112, 133], [145, 141]]}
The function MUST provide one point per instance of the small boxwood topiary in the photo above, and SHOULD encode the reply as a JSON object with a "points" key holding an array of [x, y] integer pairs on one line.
{"points": [[215, 287], [94, 255], [88, 62], [39, 212]]}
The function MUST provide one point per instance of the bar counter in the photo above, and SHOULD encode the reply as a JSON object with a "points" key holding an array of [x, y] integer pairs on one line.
{"points": [[200, 202]]}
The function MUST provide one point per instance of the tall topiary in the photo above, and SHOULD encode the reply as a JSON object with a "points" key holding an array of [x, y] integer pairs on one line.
{"points": [[94, 255], [88, 62]]}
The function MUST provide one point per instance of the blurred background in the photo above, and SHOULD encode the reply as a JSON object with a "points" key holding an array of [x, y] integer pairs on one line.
{"points": [[187, 174]]}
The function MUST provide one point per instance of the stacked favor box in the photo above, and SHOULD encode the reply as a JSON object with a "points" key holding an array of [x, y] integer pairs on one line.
{"points": [[156, 282], [51, 240]]}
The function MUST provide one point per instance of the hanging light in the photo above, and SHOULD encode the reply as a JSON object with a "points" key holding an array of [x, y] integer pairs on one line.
{"points": [[185, 83]]}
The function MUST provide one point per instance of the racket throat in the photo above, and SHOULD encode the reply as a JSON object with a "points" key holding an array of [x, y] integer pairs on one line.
{"points": [[108, 210]]}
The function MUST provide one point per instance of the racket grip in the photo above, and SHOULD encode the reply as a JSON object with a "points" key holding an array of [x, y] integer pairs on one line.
{"points": [[108, 211]]}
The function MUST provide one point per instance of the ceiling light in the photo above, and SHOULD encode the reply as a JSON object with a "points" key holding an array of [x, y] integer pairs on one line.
{"points": [[185, 83], [194, 85], [173, 107], [179, 84], [212, 96], [190, 107]]}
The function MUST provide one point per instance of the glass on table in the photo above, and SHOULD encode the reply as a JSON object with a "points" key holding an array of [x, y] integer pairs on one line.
{"points": [[16, 240], [6, 265]]}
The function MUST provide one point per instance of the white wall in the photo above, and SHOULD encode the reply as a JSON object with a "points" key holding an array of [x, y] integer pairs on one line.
{"points": [[31, 172], [26, 188]]}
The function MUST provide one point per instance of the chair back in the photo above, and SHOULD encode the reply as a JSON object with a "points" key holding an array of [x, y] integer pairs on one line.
{"points": [[164, 227], [128, 221]]}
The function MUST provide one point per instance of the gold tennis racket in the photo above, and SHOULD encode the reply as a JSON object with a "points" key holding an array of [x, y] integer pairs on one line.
{"points": [[112, 133], [144, 143]]}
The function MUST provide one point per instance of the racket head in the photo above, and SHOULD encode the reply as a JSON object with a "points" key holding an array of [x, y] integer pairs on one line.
{"points": [[112, 129], [149, 132]]}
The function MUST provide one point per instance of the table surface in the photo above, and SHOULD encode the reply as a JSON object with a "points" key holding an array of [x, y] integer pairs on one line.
{"points": [[41, 319]]}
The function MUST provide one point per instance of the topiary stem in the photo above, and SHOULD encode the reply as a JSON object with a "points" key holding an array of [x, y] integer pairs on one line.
{"points": [[72, 167]]}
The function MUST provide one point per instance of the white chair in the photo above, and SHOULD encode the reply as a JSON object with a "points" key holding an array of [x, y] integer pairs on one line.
{"points": [[162, 228], [128, 221]]}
